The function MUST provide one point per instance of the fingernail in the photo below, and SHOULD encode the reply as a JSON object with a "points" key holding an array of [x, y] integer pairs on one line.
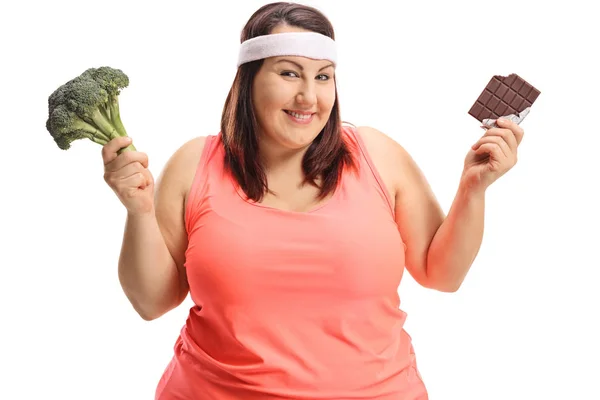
{"points": [[502, 120]]}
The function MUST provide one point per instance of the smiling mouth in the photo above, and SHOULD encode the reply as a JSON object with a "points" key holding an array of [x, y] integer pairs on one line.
{"points": [[299, 116]]}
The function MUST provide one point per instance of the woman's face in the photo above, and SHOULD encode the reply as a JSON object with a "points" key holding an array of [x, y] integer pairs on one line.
{"points": [[293, 98]]}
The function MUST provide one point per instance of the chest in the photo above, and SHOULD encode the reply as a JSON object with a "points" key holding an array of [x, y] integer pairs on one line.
{"points": [[290, 196], [261, 254]]}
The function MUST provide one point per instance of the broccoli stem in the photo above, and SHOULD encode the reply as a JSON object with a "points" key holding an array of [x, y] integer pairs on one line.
{"points": [[97, 139], [105, 111], [80, 124], [98, 119], [113, 106]]}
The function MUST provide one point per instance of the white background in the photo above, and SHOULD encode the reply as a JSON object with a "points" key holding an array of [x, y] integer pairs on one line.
{"points": [[524, 323]]}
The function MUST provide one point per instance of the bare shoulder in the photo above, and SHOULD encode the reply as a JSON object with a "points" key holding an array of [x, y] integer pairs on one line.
{"points": [[179, 170], [171, 192], [387, 154], [379, 143]]}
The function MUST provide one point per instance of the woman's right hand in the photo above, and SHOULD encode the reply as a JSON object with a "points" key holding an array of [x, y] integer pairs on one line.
{"points": [[128, 176]]}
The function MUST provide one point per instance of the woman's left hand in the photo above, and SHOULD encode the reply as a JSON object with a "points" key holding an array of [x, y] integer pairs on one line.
{"points": [[493, 155]]}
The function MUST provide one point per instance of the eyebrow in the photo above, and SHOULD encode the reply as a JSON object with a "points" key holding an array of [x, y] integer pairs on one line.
{"points": [[300, 66]]}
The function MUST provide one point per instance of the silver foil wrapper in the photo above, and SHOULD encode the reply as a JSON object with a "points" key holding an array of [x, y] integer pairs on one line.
{"points": [[491, 123]]}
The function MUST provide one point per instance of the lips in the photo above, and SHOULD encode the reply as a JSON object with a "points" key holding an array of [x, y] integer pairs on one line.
{"points": [[300, 118], [299, 114]]}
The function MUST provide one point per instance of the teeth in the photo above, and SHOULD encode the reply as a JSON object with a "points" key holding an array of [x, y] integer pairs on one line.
{"points": [[299, 116]]}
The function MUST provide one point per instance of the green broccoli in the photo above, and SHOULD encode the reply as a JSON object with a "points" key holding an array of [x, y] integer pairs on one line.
{"points": [[87, 107]]}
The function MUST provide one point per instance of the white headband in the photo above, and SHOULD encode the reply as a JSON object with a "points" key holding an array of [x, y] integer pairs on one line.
{"points": [[303, 44]]}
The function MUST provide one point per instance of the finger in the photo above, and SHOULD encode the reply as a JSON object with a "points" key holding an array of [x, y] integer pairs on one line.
{"points": [[115, 178], [147, 181], [506, 150], [513, 126], [128, 170], [492, 149], [507, 135], [149, 177], [125, 158], [135, 181], [109, 150]]}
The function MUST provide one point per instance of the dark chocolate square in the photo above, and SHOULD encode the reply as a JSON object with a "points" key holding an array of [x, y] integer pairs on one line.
{"points": [[504, 95]]}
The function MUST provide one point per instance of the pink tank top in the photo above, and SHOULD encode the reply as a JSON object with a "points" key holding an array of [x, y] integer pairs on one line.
{"points": [[292, 305]]}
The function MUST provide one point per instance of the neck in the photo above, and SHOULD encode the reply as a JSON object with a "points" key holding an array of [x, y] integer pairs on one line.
{"points": [[282, 162]]}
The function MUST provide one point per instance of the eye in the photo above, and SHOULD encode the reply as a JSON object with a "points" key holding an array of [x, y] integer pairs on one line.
{"points": [[323, 77], [289, 74]]}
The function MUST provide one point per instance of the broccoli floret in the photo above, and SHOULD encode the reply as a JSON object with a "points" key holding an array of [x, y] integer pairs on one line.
{"points": [[87, 107], [66, 126]]}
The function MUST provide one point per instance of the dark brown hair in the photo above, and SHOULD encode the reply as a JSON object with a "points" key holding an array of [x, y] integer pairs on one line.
{"points": [[326, 157]]}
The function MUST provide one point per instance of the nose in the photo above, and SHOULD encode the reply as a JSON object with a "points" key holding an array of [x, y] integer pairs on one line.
{"points": [[307, 95]]}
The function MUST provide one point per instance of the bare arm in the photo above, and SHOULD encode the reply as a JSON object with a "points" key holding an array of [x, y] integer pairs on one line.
{"points": [[147, 272], [151, 265], [457, 241], [440, 249]]}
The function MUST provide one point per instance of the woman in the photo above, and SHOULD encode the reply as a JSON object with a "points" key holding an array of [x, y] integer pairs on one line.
{"points": [[291, 232]]}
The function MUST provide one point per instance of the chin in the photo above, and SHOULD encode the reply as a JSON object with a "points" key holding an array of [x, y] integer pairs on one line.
{"points": [[298, 142], [299, 137]]}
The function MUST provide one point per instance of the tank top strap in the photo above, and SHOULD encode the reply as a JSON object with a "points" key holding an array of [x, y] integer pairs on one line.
{"points": [[205, 169], [368, 170]]}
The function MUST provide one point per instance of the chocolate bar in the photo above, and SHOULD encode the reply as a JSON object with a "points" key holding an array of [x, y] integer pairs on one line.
{"points": [[510, 97]]}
